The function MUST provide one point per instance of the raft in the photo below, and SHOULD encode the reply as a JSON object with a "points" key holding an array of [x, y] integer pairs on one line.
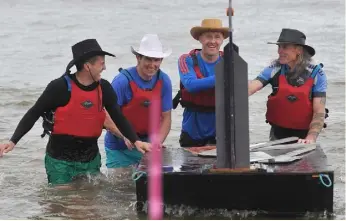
{"points": [[286, 179]]}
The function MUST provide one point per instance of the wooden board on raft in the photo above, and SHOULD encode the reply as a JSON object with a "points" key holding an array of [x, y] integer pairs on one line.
{"points": [[197, 150], [260, 152]]}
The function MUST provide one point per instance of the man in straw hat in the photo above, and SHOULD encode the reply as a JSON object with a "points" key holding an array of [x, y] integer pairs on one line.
{"points": [[76, 105], [135, 87], [197, 82], [296, 106]]}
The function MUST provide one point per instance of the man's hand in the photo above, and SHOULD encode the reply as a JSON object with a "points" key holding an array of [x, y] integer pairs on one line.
{"points": [[128, 143], [306, 140], [310, 138], [142, 146], [6, 147]]}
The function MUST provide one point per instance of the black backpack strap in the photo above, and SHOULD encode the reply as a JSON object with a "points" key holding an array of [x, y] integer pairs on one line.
{"points": [[47, 123], [194, 59], [176, 100]]}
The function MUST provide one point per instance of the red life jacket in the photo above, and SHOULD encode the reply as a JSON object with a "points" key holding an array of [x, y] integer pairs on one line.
{"points": [[202, 101], [291, 107], [83, 116], [137, 110]]}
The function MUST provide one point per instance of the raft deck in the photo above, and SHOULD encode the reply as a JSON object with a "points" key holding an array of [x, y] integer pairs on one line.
{"points": [[290, 188]]}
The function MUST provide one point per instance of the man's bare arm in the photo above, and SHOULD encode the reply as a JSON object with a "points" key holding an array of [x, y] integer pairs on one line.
{"points": [[110, 126], [254, 86], [317, 121], [166, 122]]}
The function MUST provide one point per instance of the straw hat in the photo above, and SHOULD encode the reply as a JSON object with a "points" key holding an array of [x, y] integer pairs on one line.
{"points": [[151, 46], [210, 24]]}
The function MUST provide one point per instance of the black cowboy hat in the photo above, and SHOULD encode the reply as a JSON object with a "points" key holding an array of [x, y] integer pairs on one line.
{"points": [[84, 50], [293, 36]]}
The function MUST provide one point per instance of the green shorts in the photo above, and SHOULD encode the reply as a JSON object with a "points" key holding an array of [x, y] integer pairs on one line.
{"points": [[62, 172], [122, 158]]}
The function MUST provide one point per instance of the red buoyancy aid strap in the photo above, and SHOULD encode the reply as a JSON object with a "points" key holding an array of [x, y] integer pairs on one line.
{"points": [[193, 54]]}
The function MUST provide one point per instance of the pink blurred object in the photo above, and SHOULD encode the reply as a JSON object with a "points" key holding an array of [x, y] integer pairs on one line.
{"points": [[155, 163]]}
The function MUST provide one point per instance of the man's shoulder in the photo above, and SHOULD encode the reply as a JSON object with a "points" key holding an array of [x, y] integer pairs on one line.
{"points": [[116, 81], [166, 80], [272, 69], [125, 74], [314, 66], [185, 57], [273, 66], [104, 83], [184, 62], [121, 77], [164, 75], [59, 82], [268, 72]]}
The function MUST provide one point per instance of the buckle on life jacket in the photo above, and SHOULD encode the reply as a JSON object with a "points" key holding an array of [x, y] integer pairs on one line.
{"points": [[292, 98], [176, 100], [47, 123], [146, 103]]}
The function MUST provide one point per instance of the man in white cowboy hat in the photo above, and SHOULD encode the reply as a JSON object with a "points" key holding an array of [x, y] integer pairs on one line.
{"points": [[296, 106], [73, 110], [197, 82], [135, 87]]}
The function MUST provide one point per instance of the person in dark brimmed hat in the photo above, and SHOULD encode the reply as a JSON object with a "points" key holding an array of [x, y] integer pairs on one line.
{"points": [[84, 50], [73, 108], [294, 37], [296, 106]]}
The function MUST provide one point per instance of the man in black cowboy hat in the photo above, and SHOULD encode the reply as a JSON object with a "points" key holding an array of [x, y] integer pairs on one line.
{"points": [[78, 102], [296, 107]]}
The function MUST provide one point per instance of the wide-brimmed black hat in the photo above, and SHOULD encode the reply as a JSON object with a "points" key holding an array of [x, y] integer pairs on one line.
{"points": [[293, 36], [84, 50]]}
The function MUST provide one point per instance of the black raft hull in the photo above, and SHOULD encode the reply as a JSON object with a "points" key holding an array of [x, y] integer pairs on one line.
{"points": [[290, 189]]}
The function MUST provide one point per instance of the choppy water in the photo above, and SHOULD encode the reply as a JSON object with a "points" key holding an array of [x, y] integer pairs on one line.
{"points": [[35, 40]]}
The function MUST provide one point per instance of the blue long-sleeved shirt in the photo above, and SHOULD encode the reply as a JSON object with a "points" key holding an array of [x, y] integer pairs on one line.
{"points": [[197, 125]]}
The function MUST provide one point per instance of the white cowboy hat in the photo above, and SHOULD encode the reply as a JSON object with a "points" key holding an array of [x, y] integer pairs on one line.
{"points": [[151, 46]]}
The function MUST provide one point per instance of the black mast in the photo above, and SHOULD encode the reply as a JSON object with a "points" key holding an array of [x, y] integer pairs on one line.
{"points": [[232, 113]]}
